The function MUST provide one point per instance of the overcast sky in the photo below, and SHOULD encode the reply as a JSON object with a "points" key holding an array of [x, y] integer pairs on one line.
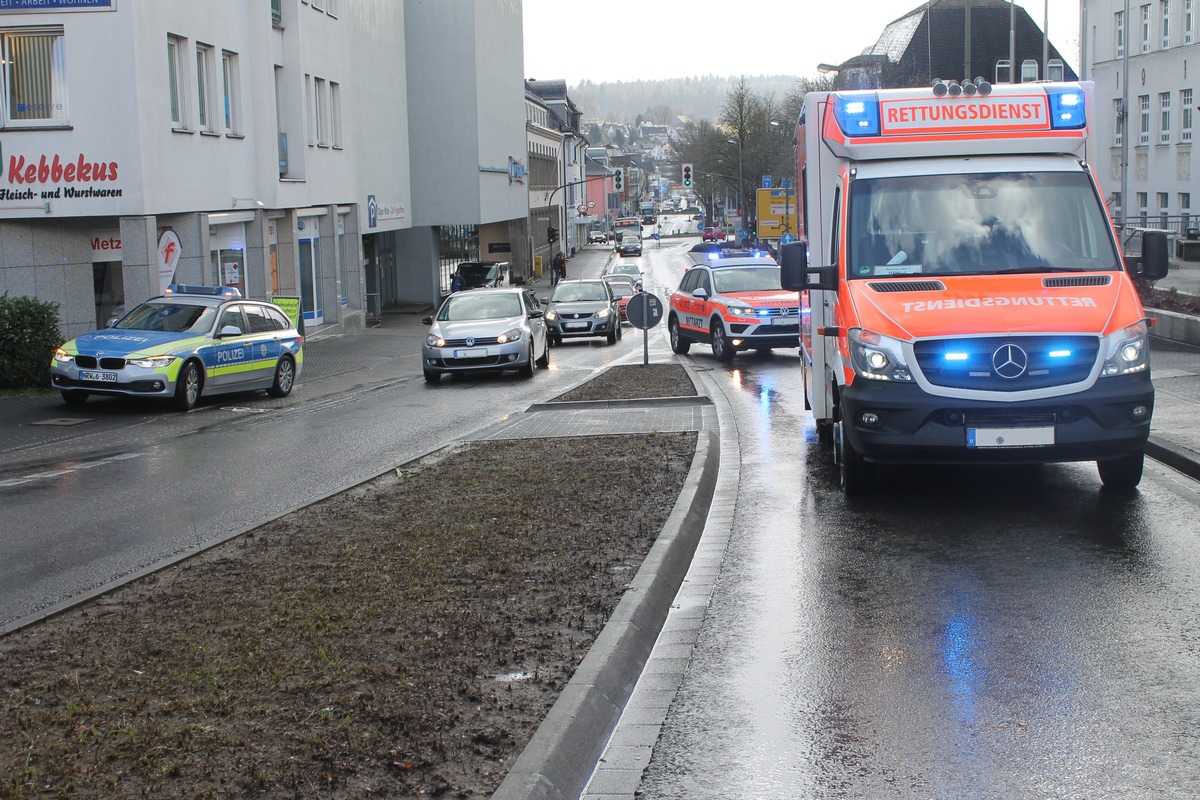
{"points": [[624, 40]]}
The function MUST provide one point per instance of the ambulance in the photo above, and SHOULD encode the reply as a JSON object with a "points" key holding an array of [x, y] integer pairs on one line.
{"points": [[964, 298]]}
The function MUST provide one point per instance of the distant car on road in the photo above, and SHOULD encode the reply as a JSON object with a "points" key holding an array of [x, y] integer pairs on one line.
{"points": [[585, 307], [486, 330], [597, 237], [630, 246], [623, 288], [627, 268], [713, 235], [193, 341]]}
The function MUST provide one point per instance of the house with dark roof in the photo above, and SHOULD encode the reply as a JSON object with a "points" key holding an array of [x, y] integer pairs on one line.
{"points": [[954, 39]]}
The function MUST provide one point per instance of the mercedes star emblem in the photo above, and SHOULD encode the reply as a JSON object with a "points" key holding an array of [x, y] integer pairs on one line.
{"points": [[1010, 361]]}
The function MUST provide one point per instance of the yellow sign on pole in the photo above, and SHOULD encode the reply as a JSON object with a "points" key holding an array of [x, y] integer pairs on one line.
{"points": [[776, 213]]}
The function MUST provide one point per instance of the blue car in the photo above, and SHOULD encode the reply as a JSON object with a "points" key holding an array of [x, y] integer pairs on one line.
{"points": [[193, 341]]}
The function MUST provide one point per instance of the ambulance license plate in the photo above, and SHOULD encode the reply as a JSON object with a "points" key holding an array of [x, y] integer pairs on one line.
{"points": [[1010, 437], [102, 377]]}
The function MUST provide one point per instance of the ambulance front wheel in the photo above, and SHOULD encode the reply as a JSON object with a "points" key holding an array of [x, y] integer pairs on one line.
{"points": [[1122, 473], [722, 350], [679, 344], [855, 474]]}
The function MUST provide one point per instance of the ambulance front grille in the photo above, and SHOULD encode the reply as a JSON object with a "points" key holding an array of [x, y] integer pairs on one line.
{"points": [[907, 286], [1007, 363], [1069, 281]]}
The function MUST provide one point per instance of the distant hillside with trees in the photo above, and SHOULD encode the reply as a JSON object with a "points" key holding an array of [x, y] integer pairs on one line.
{"points": [[663, 101]]}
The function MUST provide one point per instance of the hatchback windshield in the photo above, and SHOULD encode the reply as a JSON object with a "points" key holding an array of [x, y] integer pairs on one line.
{"points": [[746, 279], [977, 223], [575, 292], [487, 305], [172, 317]]}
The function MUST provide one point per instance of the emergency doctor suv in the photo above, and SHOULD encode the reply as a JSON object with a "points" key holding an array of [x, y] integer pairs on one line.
{"points": [[191, 342], [734, 303], [966, 300]]}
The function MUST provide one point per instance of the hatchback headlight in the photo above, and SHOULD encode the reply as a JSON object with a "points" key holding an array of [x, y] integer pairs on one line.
{"points": [[151, 362], [433, 340], [512, 335], [877, 357], [1126, 351]]}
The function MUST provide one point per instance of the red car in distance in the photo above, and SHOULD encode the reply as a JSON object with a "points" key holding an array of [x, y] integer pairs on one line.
{"points": [[713, 235], [622, 289]]}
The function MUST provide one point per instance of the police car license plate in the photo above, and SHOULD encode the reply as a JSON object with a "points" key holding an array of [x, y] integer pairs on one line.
{"points": [[478, 352], [1010, 437], [103, 377]]}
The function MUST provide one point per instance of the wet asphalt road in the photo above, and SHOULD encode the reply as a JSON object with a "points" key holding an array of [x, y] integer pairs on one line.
{"points": [[1003, 633]]}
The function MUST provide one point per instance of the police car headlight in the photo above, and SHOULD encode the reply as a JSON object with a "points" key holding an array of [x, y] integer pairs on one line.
{"points": [[1126, 351], [433, 340], [877, 357], [741, 311], [513, 335], [150, 362], [63, 357]]}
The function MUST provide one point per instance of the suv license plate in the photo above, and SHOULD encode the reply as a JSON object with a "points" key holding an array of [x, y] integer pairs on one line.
{"points": [[102, 377], [1010, 437]]}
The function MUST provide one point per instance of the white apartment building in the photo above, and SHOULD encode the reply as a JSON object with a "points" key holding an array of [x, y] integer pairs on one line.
{"points": [[295, 149], [1146, 106]]}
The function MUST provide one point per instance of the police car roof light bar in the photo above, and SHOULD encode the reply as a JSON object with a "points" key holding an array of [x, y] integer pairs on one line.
{"points": [[213, 291]]}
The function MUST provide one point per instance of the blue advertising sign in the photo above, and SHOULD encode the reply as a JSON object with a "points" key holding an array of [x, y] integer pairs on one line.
{"points": [[27, 6]]}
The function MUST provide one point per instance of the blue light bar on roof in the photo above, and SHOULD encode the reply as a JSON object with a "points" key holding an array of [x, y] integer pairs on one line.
{"points": [[857, 115], [211, 291], [1066, 109]]}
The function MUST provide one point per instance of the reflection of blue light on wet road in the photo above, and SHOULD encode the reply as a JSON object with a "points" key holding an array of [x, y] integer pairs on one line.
{"points": [[957, 649]]}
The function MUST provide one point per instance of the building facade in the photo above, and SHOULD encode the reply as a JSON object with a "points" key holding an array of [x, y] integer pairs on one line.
{"points": [[338, 155], [1146, 104]]}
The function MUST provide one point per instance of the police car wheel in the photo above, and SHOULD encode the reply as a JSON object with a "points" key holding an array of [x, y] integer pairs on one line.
{"points": [[721, 348], [285, 378], [679, 344], [74, 398], [188, 386]]}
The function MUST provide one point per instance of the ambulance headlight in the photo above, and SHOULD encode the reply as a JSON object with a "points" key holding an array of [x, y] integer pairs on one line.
{"points": [[1126, 351], [877, 357], [151, 362], [741, 311]]}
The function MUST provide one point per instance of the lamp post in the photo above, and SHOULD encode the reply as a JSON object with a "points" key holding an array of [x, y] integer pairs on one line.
{"points": [[741, 179]]}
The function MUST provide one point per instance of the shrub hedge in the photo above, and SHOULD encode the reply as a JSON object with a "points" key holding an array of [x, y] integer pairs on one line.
{"points": [[28, 336]]}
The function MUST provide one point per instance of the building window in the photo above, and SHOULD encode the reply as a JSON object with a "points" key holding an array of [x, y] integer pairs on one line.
{"points": [[277, 13], [1144, 128], [331, 7], [175, 73], [1164, 203], [320, 106], [1189, 25], [1029, 70], [335, 113], [1119, 26], [1115, 206], [1165, 10], [1185, 210], [35, 77], [231, 80], [1185, 115], [1143, 200], [1164, 113], [1146, 29], [1118, 124], [308, 102], [204, 65]]}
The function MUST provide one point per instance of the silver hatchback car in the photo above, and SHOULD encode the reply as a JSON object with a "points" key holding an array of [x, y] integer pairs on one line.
{"points": [[486, 330]]}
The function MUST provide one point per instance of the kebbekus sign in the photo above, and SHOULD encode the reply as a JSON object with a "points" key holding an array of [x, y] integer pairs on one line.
{"points": [[52, 176]]}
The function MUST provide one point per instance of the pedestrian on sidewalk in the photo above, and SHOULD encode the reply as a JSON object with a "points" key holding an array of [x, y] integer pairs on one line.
{"points": [[558, 268]]}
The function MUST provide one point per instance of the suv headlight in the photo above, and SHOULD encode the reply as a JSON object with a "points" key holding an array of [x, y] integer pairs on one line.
{"points": [[551, 315], [877, 357], [512, 335], [741, 311], [603, 313], [1125, 351], [151, 362]]}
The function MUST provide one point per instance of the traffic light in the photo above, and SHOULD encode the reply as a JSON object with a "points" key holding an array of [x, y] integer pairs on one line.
{"points": [[552, 235], [687, 174], [619, 179]]}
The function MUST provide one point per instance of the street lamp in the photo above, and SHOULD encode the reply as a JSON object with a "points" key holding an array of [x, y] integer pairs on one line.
{"points": [[741, 179]]}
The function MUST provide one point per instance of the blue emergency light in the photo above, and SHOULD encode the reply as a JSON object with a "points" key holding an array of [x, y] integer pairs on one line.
{"points": [[212, 291], [1066, 109], [857, 116]]}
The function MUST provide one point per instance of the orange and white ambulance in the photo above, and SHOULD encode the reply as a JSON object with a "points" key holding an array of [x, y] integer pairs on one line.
{"points": [[963, 294]]}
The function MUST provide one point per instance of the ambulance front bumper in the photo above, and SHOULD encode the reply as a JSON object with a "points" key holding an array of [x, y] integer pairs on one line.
{"points": [[900, 423]]}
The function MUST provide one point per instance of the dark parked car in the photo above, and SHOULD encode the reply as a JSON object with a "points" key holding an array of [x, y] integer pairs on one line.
{"points": [[485, 274], [580, 308]]}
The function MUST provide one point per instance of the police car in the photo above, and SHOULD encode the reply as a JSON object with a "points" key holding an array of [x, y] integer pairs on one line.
{"points": [[734, 303], [192, 341]]}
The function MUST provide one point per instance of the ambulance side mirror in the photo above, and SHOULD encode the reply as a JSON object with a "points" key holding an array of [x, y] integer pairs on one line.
{"points": [[797, 275], [1152, 264]]}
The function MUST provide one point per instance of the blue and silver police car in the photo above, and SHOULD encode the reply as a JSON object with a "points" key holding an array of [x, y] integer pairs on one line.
{"points": [[191, 342]]}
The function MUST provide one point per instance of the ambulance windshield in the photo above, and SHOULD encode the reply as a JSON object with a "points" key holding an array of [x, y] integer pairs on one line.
{"points": [[983, 223]]}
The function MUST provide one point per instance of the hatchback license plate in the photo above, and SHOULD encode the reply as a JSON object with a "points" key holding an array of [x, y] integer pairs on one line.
{"points": [[478, 352], [1010, 437], [102, 377]]}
